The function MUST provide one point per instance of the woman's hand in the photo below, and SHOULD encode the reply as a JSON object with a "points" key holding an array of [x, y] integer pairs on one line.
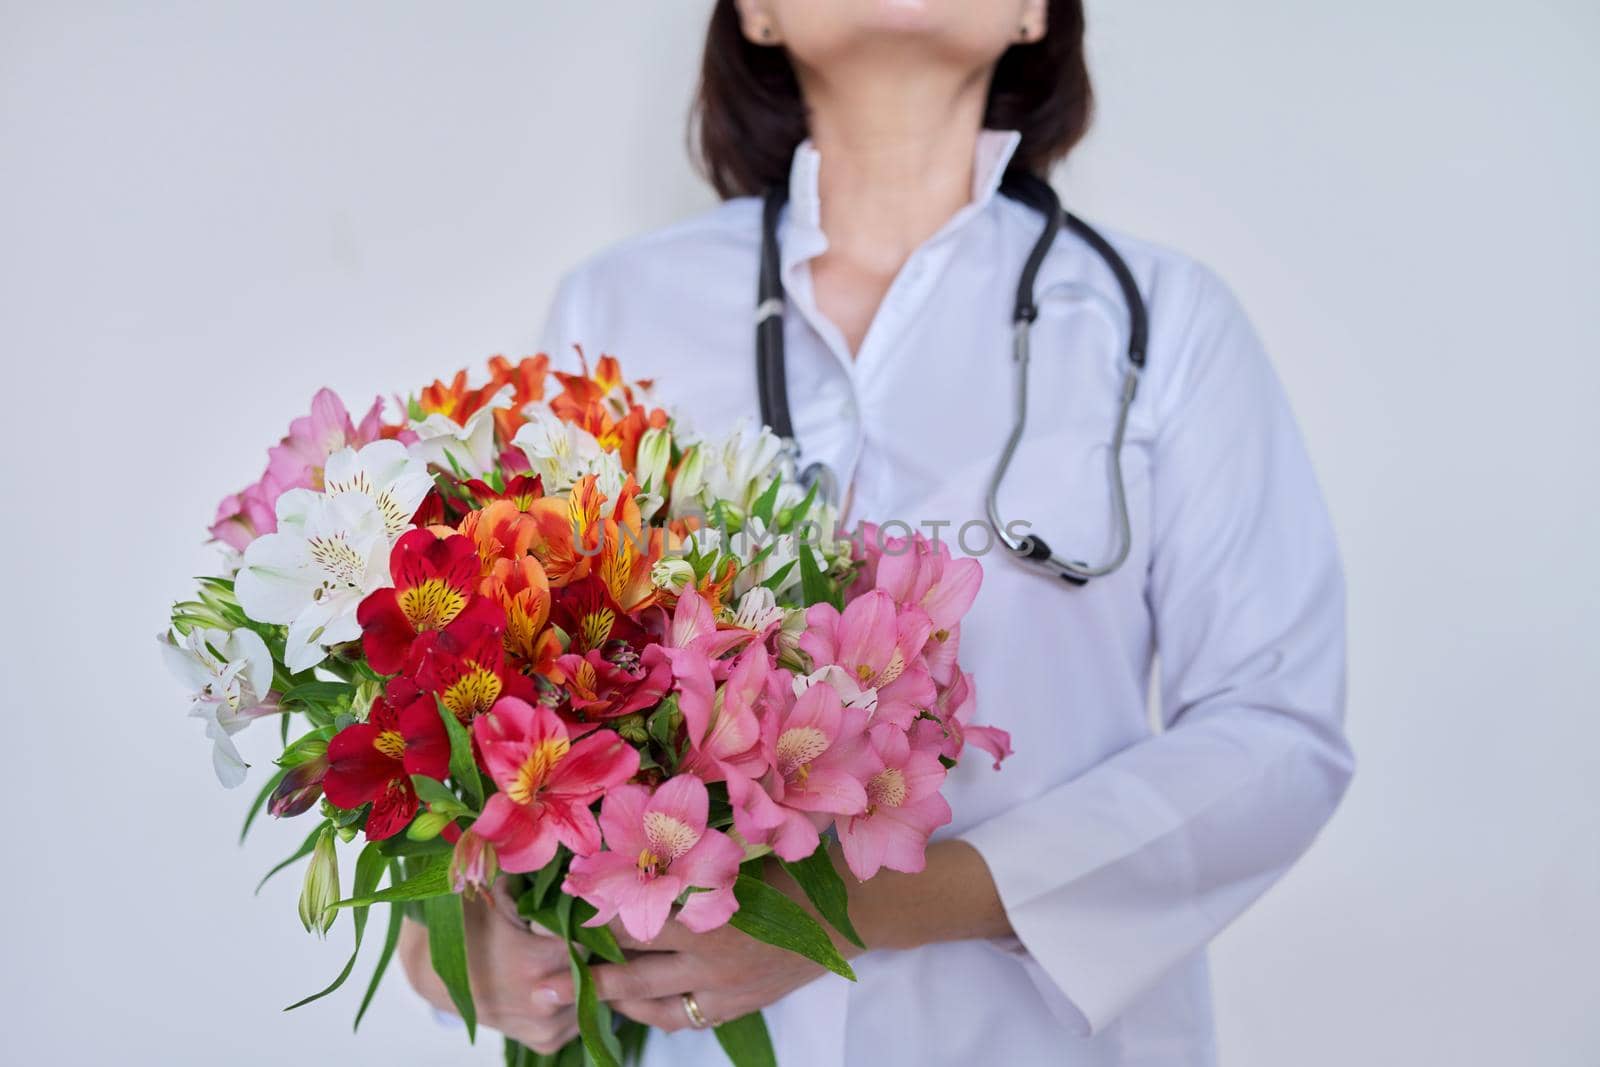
{"points": [[506, 962], [729, 972]]}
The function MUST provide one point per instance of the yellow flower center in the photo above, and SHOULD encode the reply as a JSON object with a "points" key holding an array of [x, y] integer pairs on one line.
{"points": [[536, 768], [798, 747], [472, 693], [431, 605], [391, 743], [887, 789]]}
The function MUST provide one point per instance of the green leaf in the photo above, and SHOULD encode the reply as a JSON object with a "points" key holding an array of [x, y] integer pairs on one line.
{"points": [[391, 938], [261, 799], [814, 585], [402, 846], [819, 879], [598, 939], [437, 796], [779, 576], [545, 878], [594, 1017], [664, 721], [300, 853], [747, 1042], [431, 879], [767, 915], [463, 768], [762, 508], [369, 870], [631, 1035], [447, 949], [317, 692]]}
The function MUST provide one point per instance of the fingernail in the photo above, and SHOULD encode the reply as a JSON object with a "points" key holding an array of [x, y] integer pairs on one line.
{"points": [[547, 994]]}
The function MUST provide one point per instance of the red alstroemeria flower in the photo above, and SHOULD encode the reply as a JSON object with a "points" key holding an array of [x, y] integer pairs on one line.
{"points": [[591, 619], [374, 760], [434, 581], [547, 782], [465, 664], [521, 491], [616, 681]]}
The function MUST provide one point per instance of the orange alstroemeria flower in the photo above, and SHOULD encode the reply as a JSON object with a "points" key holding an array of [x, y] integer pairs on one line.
{"points": [[569, 531], [603, 405], [455, 401], [628, 553], [500, 530], [526, 378], [522, 590]]}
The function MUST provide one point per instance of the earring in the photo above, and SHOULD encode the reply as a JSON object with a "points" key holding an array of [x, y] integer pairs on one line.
{"points": [[1023, 32], [766, 32]]}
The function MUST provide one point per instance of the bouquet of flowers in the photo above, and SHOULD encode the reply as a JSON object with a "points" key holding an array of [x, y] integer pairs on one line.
{"points": [[537, 630]]}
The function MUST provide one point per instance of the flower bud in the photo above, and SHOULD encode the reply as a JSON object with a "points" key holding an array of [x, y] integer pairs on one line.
{"points": [[691, 476], [321, 888], [655, 452], [790, 655], [473, 865], [299, 789], [631, 728], [672, 574], [427, 826]]}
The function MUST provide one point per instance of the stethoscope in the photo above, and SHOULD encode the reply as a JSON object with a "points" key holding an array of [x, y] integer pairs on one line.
{"points": [[1029, 548]]}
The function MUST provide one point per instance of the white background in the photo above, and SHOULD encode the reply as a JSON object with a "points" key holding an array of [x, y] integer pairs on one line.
{"points": [[209, 210]]}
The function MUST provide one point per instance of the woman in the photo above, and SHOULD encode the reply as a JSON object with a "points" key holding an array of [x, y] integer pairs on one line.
{"points": [[1063, 916]]}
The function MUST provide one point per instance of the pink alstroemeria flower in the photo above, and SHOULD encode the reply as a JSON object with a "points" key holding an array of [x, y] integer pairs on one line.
{"points": [[879, 644], [246, 515], [723, 722], [903, 807], [820, 761], [921, 573], [297, 460], [547, 782], [953, 730], [694, 630], [657, 847]]}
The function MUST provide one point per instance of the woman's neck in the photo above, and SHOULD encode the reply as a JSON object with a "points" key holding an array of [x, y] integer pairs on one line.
{"points": [[897, 152]]}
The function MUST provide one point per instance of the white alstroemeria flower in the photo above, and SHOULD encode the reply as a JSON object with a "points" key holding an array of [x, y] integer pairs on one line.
{"points": [[328, 554], [851, 693], [441, 439], [230, 678], [387, 472], [741, 466], [758, 609], [689, 485], [560, 453]]}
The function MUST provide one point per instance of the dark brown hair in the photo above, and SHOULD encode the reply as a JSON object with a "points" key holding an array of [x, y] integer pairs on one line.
{"points": [[749, 116]]}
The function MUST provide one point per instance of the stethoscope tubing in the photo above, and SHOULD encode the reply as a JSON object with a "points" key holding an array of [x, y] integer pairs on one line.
{"points": [[1029, 548]]}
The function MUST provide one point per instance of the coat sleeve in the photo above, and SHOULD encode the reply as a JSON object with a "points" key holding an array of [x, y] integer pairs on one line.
{"points": [[1112, 878]]}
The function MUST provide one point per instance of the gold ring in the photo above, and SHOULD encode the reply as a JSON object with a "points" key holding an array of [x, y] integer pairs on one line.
{"points": [[691, 1008]]}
